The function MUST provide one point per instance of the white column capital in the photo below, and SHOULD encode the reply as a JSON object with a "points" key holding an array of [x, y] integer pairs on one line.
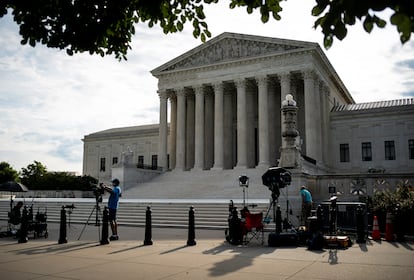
{"points": [[218, 88], [199, 89], [180, 91], [163, 94], [284, 77], [309, 74], [240, 82], [261, 79]]}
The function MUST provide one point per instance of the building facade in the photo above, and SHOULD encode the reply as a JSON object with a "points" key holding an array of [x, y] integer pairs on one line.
{"points": [[223, 100], [226, 96]]}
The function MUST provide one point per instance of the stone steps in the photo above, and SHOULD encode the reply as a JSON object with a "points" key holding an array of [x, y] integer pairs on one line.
{"points": [[208, 215]]}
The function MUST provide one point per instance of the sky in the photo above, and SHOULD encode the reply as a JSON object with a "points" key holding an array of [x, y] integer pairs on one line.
{"points": [[49, 101]]}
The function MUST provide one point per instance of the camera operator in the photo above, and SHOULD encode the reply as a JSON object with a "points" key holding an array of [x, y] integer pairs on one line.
{"points": [[306, 203], [113, 205]]}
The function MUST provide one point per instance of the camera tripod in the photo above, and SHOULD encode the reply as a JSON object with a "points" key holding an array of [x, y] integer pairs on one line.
{"points": [[277, 213], [97, 210], [272, 205]]}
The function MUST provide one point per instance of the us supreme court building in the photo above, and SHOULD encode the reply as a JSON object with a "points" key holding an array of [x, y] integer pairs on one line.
{"points": [[220, 109]]}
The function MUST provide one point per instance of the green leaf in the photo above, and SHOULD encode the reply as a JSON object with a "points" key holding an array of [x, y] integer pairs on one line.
{"points": [[316, 11], [340, 31], [327, 41], [180, 26], [368, 24], [380, 22]]}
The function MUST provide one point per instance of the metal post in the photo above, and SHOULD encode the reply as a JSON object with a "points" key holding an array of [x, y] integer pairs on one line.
{"points": [[360, 224], [319, 218], [399, 225], [105, 226], [62, 231], [24, 227], [191, 228], [148, 227], [278, 220]]}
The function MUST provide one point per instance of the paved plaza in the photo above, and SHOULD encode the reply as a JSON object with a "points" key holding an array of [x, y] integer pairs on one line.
{"points": [[170, 258]]}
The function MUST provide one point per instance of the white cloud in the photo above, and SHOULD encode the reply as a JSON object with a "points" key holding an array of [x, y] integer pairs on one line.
{"points": [[49, 100]]}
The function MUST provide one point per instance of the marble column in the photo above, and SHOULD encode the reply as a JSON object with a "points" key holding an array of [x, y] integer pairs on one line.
{"points": [[311, 129], [173, 131], [180, 142], [190, 132], [241, 124], [163, 130], [208, 129], [284, 85], [199, 128], [263, 115], [324, 96], [218, 125]]}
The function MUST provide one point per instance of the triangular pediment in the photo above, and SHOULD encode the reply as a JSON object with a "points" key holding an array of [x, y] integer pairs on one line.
{"points": [[229, 47]]}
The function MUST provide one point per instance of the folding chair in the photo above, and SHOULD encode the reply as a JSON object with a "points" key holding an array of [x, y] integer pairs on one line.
{"points": [[253, 227]]}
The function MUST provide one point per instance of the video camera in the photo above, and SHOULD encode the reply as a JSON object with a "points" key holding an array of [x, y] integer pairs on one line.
{"points": [[98, 191], [276, 178]]}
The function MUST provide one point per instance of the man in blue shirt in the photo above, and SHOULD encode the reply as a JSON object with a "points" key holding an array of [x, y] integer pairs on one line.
{"points": [[306, 203], [113, 205]]}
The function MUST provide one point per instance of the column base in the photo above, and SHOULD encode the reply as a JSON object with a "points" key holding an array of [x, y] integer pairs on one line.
{"points": [[239, 167], [217, 168]]}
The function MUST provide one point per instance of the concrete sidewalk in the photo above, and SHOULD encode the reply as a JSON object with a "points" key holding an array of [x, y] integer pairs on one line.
{"points": [[211, 257]]}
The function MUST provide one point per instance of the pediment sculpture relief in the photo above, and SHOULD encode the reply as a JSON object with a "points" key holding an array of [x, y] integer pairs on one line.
{"points": [[230, 49]]}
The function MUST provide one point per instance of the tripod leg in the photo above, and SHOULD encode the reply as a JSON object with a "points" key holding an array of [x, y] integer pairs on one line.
{"points": [[87, 222]]}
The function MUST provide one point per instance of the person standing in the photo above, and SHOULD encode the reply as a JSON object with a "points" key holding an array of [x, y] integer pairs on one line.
{"points": [[306, 203], [113, 205]]}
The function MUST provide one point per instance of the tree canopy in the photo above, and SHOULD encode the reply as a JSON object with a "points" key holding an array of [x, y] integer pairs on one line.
{"points": [[107, 26], [36, 177], [7, 173]]}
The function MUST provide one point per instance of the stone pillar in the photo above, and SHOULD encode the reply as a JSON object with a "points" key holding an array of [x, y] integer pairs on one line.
{"points": [[310, 114], [229, 132], [199, 128], [173, 131], [208, 130], [263, 112], [218, 125], [190, 132], [284, 90], [180, 142], [290, 152], [325, 123], [241, 124], [163, 130]]}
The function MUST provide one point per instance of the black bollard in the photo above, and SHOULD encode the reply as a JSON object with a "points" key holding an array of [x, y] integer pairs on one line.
{"points": [[278, 220], [62, 232], [360, 224], [235, 231], [399, 224], [24, 227], [105, 226], [191, 228], [148, 227], [319, 218], [332, 216]]}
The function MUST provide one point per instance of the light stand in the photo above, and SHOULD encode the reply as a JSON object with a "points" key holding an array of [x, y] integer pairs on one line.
{"points": [[244, 183]]}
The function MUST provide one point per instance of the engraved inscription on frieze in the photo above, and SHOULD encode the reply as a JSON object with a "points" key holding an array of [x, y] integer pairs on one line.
{"points": [[230, 49]]}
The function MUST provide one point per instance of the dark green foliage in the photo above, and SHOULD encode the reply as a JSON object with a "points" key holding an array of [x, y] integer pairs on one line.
{"points": [[399, 202], [36, 177], [335, 15], [7, 173], [106, 26], [387, 200]]}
